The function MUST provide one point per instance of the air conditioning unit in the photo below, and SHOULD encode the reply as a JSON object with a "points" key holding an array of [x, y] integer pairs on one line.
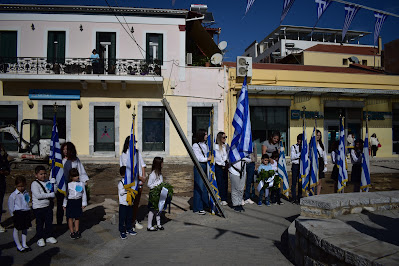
{"points": [[244, 66], [189, 59]]}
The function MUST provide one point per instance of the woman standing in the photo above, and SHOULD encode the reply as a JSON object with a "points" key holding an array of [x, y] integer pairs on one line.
{"points": [[322, 160], [221, 168], [272, 144], [200, 198], [374, 145]]}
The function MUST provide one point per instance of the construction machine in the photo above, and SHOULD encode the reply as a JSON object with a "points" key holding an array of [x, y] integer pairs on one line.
{"points": [[33, 140]]}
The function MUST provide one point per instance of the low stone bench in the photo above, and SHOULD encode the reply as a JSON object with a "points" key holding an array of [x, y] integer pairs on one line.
{"points": [[316, 238]]}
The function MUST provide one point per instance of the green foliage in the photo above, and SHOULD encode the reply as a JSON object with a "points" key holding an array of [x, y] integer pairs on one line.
{"points": [[156, 192], [265, 175]]}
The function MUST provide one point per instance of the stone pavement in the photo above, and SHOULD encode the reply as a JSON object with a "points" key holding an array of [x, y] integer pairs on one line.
{"points": [[253, 237]]}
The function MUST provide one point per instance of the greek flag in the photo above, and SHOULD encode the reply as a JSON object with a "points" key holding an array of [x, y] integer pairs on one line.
{"points": [[282, 170], [321, 7], [55, 160], [304, 162], [131, 181], [211, 168], [379, 21], [249, 4], [365, 177], [342, 172], [241, 144], [314, 163], [286, 7], [350, 13]]}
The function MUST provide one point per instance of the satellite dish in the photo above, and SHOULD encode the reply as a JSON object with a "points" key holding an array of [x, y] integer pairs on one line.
{"points": [[222, 45], [216, 59]]}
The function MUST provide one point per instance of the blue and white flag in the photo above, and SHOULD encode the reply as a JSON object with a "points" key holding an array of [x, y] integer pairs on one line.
{"points": [[55, 160], [379, 21], [131, 181], [249, 4], [241, 144], [365, 183], [322, 5], [286, 8], [211, 168], [282, 170], [341, 162], [350, 13], [314, 163], [304, 162]]}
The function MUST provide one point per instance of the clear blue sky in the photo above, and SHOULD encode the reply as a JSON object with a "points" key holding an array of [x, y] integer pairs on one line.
{"points": [[263, 17]]}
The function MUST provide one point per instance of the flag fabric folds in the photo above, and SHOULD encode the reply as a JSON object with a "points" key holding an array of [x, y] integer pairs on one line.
{"points": [[131, 180], [322, 5], [211, 169], [314, 163], [304, 162], [57, 168], [249, 4], [365, 177], [241, 144], [342, 172], [282, 170], [379, 21], [286, 8], [350, 13]]}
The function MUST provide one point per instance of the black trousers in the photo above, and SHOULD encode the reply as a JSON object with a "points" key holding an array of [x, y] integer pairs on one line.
{"points": [[295, 180], [60, 210], [44, 222], [125, 218], [2, 193]]}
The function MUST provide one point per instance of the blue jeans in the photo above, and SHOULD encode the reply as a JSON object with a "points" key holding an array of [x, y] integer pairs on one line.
{"points": [[125, 218], [250, 179], [295, 180], [200, 199], [261, 192], [222, 180]]}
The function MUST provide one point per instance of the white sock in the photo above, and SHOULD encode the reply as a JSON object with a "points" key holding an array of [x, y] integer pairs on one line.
{"points": [[150, 218], [158, 217], [16, 239], [24, 234]]}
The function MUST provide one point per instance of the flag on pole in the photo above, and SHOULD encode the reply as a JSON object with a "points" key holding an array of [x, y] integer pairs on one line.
{"points": [[304, 162], [131, 181], [350, 13], [282, 170], [249, 4], [211, 166], [365, 177], [241, 144], [57, 168], [286, 8], [341, 162], [314, 163], [379, 21], [322, 5]]}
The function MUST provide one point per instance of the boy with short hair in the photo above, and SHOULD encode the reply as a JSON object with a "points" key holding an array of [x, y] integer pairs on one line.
{"points": [[267, 167], [125, 210], [42, 204], [295, 169]]}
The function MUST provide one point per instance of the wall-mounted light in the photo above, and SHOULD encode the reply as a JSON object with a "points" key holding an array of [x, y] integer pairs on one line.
{"points": [[32, 26], [30, 104], [128, 104], [132, 30], [79, 104], [81, 27]]}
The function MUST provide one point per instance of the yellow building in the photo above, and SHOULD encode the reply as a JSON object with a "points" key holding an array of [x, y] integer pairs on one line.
{"points": [[277, 94]]}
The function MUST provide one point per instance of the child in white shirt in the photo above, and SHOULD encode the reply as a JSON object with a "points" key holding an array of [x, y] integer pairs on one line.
{"points": [[154, 180], [125, 210]]}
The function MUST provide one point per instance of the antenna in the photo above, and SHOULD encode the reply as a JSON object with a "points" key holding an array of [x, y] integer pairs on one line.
{"points": [[222, 45], [216, 59]]}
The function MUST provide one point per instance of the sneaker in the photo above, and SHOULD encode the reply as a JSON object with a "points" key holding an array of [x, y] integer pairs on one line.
{"points": [[281, 203], [237, 208], [51, 240], [138, 225], [78, 235], [41, 242], [249, 201], [123, 235], [242, 202], [259, 203], [22, 250], [2, 229], [73, 236], [224, 203], [268, 203], [242, 209], [131, 232], [201, 212]]}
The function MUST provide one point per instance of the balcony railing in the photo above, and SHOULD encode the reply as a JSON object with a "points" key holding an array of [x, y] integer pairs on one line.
{"points": [[79, 66]]}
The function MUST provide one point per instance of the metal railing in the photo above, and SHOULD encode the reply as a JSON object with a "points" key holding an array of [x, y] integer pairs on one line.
{"points": [[79, 66]]}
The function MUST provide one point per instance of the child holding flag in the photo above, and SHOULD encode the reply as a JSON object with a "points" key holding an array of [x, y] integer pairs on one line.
{"points": [[125, 210]]}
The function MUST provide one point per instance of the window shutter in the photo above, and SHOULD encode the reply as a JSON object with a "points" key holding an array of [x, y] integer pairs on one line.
{"points": [[160, 48]]}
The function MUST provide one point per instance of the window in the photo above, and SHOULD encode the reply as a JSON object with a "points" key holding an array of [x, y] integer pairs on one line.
{"points": [[8, 46], [8, 116], [200, 119], [106, 49], [154, 45], [345, 61], [104, 128], [153, 129], [56, 47], [364, 62], [48, 113]]}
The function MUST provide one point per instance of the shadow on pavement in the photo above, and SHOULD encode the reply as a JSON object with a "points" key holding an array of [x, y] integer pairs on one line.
{"points": [[44, 258], [283, 246], [222, 231], [92, 217], [6, 260]]}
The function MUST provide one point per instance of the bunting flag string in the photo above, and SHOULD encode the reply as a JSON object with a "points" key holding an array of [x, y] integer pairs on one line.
{"points": [[350, 13], [249, 5], [322, 5], [379, 21], [286, 8]]}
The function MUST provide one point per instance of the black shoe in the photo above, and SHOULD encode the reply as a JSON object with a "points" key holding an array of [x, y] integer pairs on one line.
{"points": [[73, 236], [21, 250], [237, 208], [27, 249], [152, 229], [160, 227], [78, 235], [242, 208]]}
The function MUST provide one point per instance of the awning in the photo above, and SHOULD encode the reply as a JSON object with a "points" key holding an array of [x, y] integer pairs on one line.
{"points": [[202, 38]]}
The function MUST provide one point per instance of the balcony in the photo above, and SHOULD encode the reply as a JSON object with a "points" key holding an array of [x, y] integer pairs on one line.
{"points": [[71, 69]]}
